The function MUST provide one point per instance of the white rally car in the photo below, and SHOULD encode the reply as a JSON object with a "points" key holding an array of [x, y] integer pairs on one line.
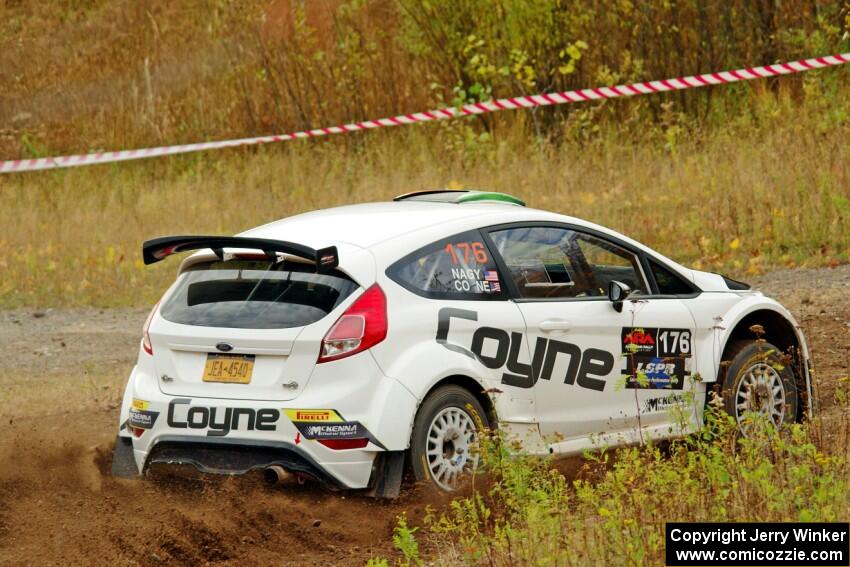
{"points": [[342, 344]]}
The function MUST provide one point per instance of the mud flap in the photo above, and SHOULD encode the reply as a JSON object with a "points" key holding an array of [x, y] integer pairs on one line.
{"points": [[387, 476], [123, 463]]}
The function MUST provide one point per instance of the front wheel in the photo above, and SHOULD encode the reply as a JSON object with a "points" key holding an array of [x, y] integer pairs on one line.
{"points": [[757, 382], [446, 430]]}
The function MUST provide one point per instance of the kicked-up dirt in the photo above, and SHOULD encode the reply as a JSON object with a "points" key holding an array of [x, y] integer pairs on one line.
{"points": [[62, 374]]}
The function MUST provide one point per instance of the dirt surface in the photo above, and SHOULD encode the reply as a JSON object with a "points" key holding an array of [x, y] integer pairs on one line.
{"points": [[818, 298], [62, 375]]}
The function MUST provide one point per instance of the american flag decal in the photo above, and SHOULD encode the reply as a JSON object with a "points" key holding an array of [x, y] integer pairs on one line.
{"points": [[492, 278]]}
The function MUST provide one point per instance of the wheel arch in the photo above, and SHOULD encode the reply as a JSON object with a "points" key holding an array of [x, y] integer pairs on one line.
{"points": [[471, 385], [780, 330], [775, 329]]}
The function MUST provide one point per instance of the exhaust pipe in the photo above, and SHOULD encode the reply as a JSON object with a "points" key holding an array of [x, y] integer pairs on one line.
{"points": [[276, 474]]}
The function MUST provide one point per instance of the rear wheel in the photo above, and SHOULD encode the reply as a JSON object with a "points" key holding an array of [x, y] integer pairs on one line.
{"points": [[445, 436], [757, 382]]}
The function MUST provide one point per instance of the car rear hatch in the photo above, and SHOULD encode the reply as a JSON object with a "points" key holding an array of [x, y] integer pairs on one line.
{"points": [[243, 325]]}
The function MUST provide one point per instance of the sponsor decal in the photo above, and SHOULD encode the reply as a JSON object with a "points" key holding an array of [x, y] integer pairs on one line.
{"points": [[327, 424], [141, 418], [321, 415], [657, 341], [475, 417], [654, 358], [219, 421], [653, 373], [637, 340], [140, 404], [663, 403], [348, 430], [586, 368]]}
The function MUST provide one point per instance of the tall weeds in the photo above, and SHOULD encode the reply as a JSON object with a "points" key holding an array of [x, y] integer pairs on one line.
{"points": [[614, 512]]}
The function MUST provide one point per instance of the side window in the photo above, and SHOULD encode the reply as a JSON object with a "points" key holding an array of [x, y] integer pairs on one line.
{"points": [[609, 262], [458, 267], [668, 282], [550, 262]]}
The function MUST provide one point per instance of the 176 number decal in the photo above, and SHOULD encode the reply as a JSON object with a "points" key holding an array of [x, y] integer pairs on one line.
{"points": [[462, 251]]}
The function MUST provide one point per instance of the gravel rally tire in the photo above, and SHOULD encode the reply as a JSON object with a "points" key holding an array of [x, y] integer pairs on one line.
{"points": [[756, 380], [445, 432]]}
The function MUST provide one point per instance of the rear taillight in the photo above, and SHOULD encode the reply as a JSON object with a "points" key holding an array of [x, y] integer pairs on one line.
{"points": [[362, 326], [146, 337]]}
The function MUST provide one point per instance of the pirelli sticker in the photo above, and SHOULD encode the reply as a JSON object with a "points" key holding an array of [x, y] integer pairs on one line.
{"points": [[655, 358], [319, 424], [314, 416]]}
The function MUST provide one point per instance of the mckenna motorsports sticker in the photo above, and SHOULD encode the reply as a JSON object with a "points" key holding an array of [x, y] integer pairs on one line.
{"points": [[142, 419], [140, 416], [664, 403], [328, 424]]}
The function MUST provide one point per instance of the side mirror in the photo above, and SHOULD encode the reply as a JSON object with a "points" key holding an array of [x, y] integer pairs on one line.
{"points": [[618, 292]]}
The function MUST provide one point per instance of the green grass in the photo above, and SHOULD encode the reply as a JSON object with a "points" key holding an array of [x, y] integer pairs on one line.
{"points": [[613, 513]]}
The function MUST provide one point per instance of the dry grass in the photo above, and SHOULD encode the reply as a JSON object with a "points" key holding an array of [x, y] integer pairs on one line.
{"points": [[736, 178], [769, 190]]}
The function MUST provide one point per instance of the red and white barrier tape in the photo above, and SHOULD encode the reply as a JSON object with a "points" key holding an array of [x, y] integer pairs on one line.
{"points": [[530, 101]]}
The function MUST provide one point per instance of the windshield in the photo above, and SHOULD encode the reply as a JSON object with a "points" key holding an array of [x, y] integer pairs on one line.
{"points": [[255, 294]]}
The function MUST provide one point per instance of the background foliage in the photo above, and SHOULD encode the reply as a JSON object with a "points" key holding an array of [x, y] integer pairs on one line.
{"points": [[79, 75], [737, 178]]}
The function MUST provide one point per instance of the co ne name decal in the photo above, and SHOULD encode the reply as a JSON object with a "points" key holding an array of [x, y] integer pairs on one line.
{"points": [[586, 368], [202, 417]]}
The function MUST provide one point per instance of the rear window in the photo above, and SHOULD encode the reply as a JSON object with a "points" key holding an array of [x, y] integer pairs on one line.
{"points": [[458, 267], [255, 294]]}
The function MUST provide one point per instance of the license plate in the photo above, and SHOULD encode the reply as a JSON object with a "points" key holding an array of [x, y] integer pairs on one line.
{"points": [[230, 368]]}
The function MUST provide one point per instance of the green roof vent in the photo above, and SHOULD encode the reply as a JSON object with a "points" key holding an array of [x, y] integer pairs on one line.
{"points": [[461, 196]]}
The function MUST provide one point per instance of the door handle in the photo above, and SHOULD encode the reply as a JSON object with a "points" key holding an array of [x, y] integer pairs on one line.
{"points": [[550, 325]]}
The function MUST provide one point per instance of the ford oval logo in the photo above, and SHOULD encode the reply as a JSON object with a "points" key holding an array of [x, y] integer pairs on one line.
{"points": [[224, 347]]}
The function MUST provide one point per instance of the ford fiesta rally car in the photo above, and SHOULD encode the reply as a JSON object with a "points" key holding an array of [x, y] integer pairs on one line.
{"points": [[343, 343]]}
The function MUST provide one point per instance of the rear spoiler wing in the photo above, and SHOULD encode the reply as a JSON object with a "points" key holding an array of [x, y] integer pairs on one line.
{"points": [[158, 249]]}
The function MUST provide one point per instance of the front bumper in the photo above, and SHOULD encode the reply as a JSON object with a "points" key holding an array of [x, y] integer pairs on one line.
{"points": [[235, 436]]}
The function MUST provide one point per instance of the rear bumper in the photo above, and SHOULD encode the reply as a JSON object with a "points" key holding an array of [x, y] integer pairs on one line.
{"points": [[231, 436], [234, 456]]}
